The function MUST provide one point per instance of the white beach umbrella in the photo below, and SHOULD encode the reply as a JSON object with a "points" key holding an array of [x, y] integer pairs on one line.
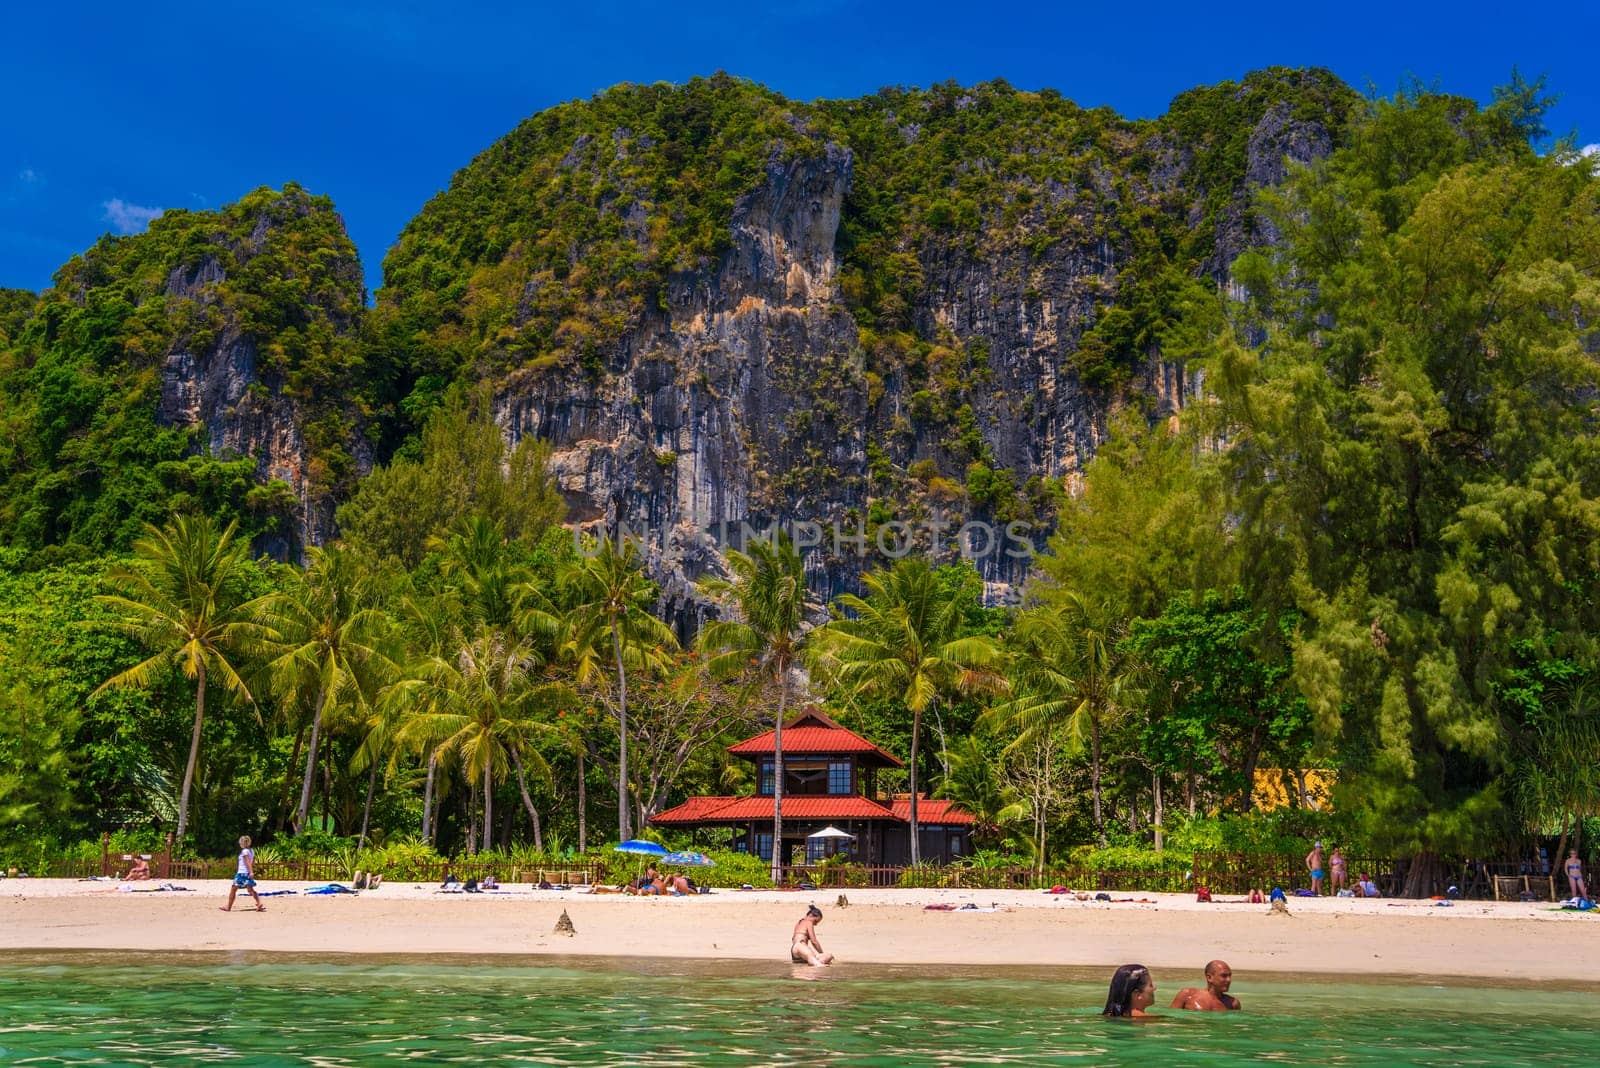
{"points": [[831, 831]]}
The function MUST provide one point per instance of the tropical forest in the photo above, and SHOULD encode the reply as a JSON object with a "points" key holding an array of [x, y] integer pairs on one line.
{"points": [[1292, 393]]}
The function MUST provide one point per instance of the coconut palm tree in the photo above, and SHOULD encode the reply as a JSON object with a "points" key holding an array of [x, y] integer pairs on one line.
{"points": [[328, 646], [904, 641], [1065, 672], [768, 600], [186, 597], [610, 601], [482, 705]]}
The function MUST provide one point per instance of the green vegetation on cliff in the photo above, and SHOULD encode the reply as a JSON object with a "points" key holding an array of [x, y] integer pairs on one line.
{"points": [[268, 289]]}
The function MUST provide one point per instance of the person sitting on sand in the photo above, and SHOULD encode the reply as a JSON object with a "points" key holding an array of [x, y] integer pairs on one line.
{"points": [[245, 877], [678, 884], [1214, 996], [139, 869], [1366, 887], [804, 948], [1256, 897], [489, 882], [1133, 989]]}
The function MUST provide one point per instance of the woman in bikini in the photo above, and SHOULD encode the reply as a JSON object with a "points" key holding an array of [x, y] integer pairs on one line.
{"points": [[803, 945]]}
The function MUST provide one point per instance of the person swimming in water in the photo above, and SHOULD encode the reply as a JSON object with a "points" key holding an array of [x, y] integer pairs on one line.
{"points": [[803, 945], [1133, 989], [1214, 996]]}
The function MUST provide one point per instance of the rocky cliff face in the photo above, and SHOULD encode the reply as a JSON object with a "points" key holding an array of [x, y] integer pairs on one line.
{"points": [[748, 375], [751, 393]]}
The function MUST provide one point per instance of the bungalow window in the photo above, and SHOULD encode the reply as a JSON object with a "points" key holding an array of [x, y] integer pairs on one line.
{"points": [[839, 777], [764, 845]]}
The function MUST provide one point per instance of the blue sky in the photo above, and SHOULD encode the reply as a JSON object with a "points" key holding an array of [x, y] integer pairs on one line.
{"points": [[114, 112]]}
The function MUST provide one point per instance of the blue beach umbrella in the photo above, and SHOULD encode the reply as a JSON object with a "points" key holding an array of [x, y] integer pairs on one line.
{"points": [[689, 858], [642, 847]]}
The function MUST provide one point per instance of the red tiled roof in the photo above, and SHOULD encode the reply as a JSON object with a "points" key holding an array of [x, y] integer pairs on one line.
{"points": [[802, 807], [930, 811], [814, 733], [811, 807], [694, 810]]}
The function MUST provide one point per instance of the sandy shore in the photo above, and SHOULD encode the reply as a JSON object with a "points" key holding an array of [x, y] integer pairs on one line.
{"points": [[1474, 939]]}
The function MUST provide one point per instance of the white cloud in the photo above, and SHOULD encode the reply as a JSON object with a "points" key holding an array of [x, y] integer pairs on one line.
{"points": [[1589, 150], [29, 176], [129, 218]]}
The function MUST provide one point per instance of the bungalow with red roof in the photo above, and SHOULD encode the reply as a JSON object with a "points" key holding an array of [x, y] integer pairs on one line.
{"points": [[829, 779]]}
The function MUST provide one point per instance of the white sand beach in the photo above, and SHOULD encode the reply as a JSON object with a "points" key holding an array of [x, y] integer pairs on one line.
{"points": [[1482, 940]]}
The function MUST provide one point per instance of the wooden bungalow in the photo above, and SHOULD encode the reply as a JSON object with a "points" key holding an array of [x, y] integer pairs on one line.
{"points": [[829, 780]]}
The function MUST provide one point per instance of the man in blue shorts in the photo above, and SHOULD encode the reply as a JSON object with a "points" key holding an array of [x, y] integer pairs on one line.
{"points": [[1314, 866]]}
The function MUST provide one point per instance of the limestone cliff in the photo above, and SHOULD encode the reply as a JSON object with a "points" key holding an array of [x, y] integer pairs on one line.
{"points": [[909, 316]]}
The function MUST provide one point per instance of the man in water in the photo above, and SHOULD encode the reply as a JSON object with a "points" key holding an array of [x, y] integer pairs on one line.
{"points": [[1314, 866], [803, 945], [1214, 997], [1574, 870]]}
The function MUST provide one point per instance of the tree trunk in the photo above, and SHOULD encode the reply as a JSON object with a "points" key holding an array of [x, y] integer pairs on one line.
{"points": [[527, 801], [194, 751], [304, 812], [281, 811], [1188, 789], [1159, 811], [327, 791], [427, 798], [624, 831], [488, 809], [1560, 857], [1252, 755], [777, 782], [366, 809], [1044, 800], [916, 833], [583, 804], [1422, 876], [1094, 774]]}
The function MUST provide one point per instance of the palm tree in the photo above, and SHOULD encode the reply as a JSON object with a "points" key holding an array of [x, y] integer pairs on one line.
{"points": [[904, 641], [481, 706], [769, 599], [328, 645], [1065, 672], [474, 557], [975, 784], [187, 599], [611, 601]]}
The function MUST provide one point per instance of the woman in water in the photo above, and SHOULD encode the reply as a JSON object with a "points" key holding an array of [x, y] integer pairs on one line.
{"points": [[1133, 990]]}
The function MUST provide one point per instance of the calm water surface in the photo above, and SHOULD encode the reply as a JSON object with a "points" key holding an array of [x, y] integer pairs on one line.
{"points": [[281, 1010]]}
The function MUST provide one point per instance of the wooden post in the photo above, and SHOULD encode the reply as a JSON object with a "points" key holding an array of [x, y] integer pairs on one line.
{"points": [[166, 859], [105, 853]]}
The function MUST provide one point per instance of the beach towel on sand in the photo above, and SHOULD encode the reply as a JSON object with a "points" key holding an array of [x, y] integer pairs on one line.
{"points": [[330, 888]]}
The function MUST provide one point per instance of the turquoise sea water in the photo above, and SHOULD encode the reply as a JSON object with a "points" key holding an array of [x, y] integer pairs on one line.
{"points": [[282, 1010]]}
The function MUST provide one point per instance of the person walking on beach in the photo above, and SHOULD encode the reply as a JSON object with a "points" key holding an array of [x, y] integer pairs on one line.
{"points": [[803, 945], [245, 877], [1314, 866], [1214, 996], [1133, 989], [1574, 870]]}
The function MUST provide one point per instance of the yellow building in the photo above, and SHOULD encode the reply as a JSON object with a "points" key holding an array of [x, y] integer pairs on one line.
{"points": [[1276, 788]]}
